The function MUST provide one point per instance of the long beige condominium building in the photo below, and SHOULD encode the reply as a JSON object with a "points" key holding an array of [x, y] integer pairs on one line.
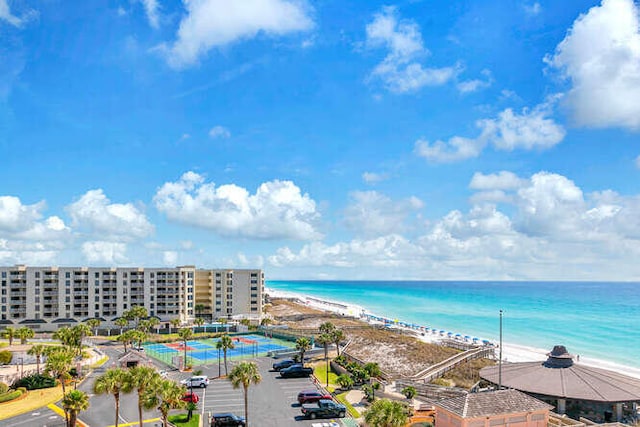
{"points": [[46, 298]]}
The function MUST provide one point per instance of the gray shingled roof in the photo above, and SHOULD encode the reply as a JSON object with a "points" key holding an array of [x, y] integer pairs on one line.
{"points": [[499, 402], [571, 382]]}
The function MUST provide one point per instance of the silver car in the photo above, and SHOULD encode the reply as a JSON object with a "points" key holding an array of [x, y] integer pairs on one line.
{"points": [[197, 381]]}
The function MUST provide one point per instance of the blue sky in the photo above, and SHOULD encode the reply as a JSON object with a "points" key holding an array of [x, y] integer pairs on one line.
{"points": [[325, 139]]}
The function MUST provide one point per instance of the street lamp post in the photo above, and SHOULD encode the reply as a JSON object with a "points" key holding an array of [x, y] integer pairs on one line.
{"points": [[500, 361], [21, 367], [218, 363]]}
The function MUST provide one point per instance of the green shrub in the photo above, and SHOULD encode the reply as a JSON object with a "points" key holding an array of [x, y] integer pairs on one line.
{"points": [[3, 388], [409, 392], [10, 395], [341, 360], [35, 382], [5, 357]]}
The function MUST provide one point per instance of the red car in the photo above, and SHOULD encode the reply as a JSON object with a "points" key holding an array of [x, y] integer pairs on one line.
{"points": [[191, 397], [311, 396]]}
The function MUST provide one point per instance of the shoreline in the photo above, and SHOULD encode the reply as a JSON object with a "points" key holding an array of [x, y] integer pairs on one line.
{"points": [[510, 352]]}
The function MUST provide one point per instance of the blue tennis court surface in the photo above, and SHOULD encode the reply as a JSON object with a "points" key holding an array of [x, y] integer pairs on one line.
{"points": [[204, 351]]}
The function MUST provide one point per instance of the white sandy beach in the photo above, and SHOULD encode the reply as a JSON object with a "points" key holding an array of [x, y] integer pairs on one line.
{"points": [[510, 352]]}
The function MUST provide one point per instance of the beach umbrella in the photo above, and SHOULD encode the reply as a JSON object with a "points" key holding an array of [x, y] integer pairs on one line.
{"points": [[449, 334], [485, 341]]}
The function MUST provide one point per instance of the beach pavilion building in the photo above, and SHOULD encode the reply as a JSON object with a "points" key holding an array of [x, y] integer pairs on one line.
{"points": [[575, 389]]}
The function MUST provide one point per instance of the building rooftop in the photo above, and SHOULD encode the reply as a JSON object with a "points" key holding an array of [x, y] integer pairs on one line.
{"points": [[499, 402], [559, 377]]}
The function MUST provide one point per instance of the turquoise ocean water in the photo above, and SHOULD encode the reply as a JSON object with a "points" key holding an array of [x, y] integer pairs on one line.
{"points": [[598, 320]]}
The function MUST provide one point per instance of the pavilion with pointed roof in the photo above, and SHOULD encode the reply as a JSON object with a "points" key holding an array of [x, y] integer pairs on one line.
{"points": [[559, 378]]}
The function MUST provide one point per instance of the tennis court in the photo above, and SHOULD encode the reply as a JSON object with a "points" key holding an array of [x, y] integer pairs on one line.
{"points": [[200, 352]]}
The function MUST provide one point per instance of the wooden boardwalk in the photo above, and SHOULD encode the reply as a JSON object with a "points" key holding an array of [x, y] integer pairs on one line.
{"points": [[439, 369]]}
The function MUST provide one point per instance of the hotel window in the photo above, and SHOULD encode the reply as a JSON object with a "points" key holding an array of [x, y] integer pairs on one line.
{"points": [[67, 275], [37, 274]]}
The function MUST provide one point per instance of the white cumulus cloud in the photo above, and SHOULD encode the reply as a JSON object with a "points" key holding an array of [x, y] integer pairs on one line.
{"points": [[219, 132], [104, 253], [95, 212], [527, 130], [503, 180], [7, 16], [373, 177], [151, 9], [401, 70], [170, 258], [600, 57], [216, 23], [27, 222], [373, 214], [277, 209]]}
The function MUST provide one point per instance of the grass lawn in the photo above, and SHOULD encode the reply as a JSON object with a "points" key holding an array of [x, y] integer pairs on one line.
{"points": [[320, 371], [342, 398], [100, 362], [180, 420], [34, 400]]}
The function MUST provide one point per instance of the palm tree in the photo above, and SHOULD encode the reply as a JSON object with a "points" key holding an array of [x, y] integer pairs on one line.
{"points": [[165, 395], [327, 328], [66, 336], [136, 313], [113, 381], [37, 350], [302, 345], [94, 324], [153, 322], [122, 323], [80, 331], [24, 333], [198, 321], [199, 309], [9, 333], [185, 334], [225, 343], [175, 322], [127, 338], [58, 364], [386, 413], [142, 379], [74, 402], [245, 374], [338, 337]]}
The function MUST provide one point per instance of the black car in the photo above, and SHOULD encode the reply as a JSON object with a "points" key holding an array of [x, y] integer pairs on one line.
{"points": [[227, 420], [284, 363], [296, 370]]}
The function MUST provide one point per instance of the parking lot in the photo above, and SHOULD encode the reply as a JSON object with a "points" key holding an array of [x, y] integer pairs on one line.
{"points": [[272, 403]]}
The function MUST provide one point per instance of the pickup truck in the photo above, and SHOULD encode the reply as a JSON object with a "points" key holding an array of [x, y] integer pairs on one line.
{"points": [[296, 370], [323, 409]]}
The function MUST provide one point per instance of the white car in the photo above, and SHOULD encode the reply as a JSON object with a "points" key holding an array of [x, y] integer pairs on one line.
{"points": [[197, 381]]}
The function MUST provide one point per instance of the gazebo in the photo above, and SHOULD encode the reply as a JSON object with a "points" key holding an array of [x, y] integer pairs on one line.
{"points": [[559, 379]]}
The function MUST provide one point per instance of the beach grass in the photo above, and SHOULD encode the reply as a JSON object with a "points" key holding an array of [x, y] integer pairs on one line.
{"points": [[180, 420]]}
